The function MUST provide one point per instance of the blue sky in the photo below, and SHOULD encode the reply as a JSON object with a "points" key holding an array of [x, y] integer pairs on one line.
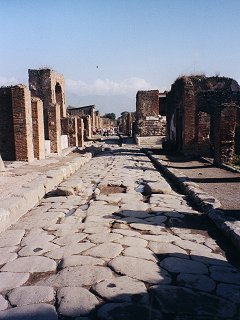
{"points": [[136, 44]]}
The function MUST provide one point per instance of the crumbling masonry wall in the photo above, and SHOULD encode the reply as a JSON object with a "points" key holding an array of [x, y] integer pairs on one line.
{"points": [[80, 125], [48, 86], [7, 144], [202, 116], [38, 128], [54, 128], [70, 128], [22, 123]]}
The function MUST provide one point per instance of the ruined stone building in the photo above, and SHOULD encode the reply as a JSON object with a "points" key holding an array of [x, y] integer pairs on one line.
{"points": [[107, 123], [126, 123], [90, 116], [150, 120], [34, 122], [48, 85], [203, 116]]}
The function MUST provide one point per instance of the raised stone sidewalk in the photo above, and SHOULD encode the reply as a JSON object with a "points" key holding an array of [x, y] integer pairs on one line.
{"points": [[23, 185], [229, 226]]}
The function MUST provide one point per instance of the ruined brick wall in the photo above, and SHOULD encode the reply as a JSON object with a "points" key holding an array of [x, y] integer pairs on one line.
{"points": [[38, 128], [54, 124], [148, 114], [80, 136], [203, 134], [70, 128], [107, 123], [48, 85], [197, 122], [227, 133], [7, 144], [22, 123]]}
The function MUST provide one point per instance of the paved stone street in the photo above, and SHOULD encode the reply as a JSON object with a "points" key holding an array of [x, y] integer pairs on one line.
{"points": [[116, 242]]}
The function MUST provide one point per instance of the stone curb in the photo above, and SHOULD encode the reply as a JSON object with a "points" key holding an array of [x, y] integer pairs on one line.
{"points": [[208, 204], [29, 195], [223, 166]]}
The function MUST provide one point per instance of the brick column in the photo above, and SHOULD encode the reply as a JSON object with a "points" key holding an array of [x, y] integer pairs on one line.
{"points": [[89, 127], [22, 123], [38, 128], [54, 127], [227, 132], [80, 125], [73, 132]]}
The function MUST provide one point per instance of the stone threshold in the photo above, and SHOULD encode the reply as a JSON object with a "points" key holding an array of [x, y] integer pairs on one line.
{"points": [[30, 194], [208, 204]]}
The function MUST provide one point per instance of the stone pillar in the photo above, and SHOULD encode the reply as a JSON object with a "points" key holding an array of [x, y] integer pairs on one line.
{"points": [[7, 143], [22, 123], [203, 134], [227, 132], [73, 132], [217, 136], [38, 128], [2, 166], [89, 127], [80, 125], [54, 127]]}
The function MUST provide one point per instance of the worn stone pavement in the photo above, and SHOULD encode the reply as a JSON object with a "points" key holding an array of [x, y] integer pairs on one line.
{"points": [[127, 246]]}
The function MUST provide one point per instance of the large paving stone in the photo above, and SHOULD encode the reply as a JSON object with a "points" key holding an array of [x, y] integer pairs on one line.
{"points": [[36, 237], [140, 252], [165, 237], [104, 237], [30, 264], [10, 280], [70, 238], [75, 302], [229, 291], [181, 301], [161, 248], [129, 233], [5, 257], [30, 294], [11, 237], [134, 214], [96, 229], [127, 311], [69, 250], [225, 274], [77, 260], [122, 289], [132, 241], [78, 276], [147, 227], [140, 269], [105, 250], [3, 303], [176, 265], [37, 249], [209, 258], [31, 312], [190, 245], [195, 281], [157, 187]]}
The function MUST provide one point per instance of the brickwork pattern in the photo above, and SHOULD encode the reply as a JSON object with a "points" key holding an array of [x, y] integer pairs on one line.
{"points": [[147, 105], [7, 143], [38, 128], [22, 123], [54, 127]]}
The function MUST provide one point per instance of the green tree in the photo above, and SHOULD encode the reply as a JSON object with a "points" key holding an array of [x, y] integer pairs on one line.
{"points": [[111, 116]]}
